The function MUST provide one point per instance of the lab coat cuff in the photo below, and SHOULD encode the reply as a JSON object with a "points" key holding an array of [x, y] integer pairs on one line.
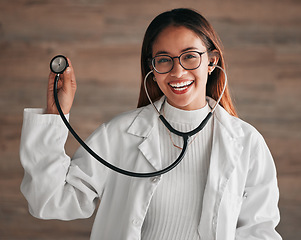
{"points": [[38, 116]]}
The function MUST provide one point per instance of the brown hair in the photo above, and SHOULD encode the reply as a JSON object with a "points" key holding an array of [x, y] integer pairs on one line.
{"points": [[197, 23]]}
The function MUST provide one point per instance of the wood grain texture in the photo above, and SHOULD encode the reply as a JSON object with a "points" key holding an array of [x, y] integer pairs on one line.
{"points": [[262, 42]]}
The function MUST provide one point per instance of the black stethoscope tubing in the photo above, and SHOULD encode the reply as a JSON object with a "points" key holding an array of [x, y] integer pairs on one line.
{"points": [[185, 135], [107, 164]]}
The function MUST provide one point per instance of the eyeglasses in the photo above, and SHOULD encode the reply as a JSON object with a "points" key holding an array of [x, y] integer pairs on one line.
{"points": [[188, 60]]}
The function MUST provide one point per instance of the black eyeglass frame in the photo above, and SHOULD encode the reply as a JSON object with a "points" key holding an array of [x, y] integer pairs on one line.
{"points": [[173, 63]]}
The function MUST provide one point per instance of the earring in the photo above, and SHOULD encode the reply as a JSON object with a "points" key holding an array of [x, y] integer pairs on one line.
{"points": [[154, 79], [211, 71]]}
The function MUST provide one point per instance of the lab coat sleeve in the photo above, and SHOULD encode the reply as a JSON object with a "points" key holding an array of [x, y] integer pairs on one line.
{"points": [[259, 213], [54, 186]]}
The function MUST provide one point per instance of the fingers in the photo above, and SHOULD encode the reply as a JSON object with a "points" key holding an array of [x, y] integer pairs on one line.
{"points": [[51, 78], [68, 78]]}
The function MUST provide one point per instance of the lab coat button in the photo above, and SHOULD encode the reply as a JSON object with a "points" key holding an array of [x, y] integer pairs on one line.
{"points": [[214, 221], [136, 222], [155, 179]]}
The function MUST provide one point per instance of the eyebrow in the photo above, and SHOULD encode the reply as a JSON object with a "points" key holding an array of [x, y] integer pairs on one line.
{"points": [[184, 50]]}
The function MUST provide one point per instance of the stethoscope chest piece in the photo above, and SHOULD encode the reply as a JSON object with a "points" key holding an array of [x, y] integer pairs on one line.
{"points": [[58, 64]]}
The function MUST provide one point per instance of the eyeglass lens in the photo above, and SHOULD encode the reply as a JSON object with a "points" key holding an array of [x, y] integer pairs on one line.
{"points": [[188, 60]]}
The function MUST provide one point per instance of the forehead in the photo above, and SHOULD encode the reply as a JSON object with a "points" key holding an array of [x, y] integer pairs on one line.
{"points": [[174, 39]]}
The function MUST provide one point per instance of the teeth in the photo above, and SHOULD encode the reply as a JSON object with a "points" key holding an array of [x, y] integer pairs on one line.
{"points": [[180, 85], [181, 89]]}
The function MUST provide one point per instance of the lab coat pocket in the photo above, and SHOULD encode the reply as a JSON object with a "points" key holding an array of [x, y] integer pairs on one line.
{"points": [[228, 216]]}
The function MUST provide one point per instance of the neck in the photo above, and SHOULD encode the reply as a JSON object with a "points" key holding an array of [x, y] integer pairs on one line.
{"points": [[191, 117], [190, 107]]}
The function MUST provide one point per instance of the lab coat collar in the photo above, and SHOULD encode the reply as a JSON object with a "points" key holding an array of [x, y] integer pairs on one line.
{"points": [[229, 123], [145, 125], [148, 117], [146, 120]]}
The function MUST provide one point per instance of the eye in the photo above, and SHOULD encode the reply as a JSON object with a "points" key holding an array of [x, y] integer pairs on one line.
{"points": [[163, 59], [188, 56]]}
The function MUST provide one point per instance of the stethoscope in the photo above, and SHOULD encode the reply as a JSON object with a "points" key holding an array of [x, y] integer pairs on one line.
{"points": [[59, 64]]}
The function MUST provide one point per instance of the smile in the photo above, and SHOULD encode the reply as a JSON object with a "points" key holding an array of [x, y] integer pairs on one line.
{"points": [[179, 87]]}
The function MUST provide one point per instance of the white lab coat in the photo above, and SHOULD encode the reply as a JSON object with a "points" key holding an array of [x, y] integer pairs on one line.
{"points": [[241, 193]]}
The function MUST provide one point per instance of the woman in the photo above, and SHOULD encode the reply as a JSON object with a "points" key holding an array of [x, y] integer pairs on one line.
{"points": [[225, 188]]}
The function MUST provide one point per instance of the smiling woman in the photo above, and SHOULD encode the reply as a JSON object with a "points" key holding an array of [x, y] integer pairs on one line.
{"points": [[200, 31], [225, 188]]}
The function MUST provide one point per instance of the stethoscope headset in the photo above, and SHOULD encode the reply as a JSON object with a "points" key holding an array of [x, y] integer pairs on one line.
{"points": [[59, 64]]}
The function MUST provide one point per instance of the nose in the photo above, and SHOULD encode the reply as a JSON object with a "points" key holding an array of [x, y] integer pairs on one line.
{"points": [[177, 70]]}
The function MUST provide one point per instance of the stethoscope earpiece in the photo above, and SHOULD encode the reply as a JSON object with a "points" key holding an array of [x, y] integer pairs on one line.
{"points": [[58, 64]]}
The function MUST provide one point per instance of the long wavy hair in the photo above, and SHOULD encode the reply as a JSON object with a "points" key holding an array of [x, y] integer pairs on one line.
{"points": [[198, 24]]}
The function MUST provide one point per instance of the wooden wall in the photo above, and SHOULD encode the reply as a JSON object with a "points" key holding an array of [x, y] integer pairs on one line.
{"points": [[262, 41]]}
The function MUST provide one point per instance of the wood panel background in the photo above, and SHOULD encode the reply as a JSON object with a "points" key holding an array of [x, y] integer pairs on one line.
{"points": [[262, 41]]}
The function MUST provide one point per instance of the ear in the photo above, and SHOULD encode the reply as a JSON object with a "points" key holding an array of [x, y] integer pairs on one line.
{"points": [[149, 63], [213, 57]]}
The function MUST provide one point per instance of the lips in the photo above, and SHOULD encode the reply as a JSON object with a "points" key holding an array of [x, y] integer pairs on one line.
{"points": [[180, 87]]}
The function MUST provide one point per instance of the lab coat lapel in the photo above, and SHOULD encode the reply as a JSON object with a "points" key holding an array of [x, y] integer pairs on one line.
{"points": [[150, 149], [226, 150], [146, 126]]}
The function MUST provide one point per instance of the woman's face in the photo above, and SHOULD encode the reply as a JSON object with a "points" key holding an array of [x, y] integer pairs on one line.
{"points": [[184, 89]]}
